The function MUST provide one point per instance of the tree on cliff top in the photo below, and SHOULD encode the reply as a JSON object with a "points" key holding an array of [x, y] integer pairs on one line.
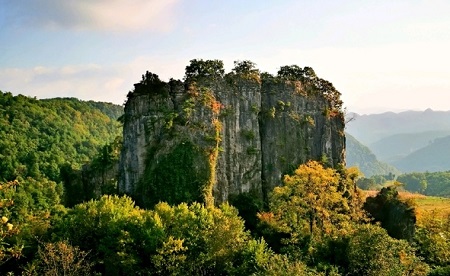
{"points": [[150, 83], [246, 69], [294, 72], [199, 69], [307, 75]]}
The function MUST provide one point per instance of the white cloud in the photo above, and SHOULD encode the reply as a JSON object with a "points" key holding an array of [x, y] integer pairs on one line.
{"points": [[379, 78], [87, 82], [103, 15]]}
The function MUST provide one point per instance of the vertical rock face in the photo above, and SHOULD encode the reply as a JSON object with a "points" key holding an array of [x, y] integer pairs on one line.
{"points": [[143, 125], [214, 137], [295, 128], [239, 166]]}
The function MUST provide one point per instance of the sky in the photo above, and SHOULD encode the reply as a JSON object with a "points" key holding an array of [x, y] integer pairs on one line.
{"points": [[381, 55]]}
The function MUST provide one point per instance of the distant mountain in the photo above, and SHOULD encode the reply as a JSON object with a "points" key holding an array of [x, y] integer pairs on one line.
{"points": [[362, 157], [369, 129], [434, 157], [395, 147]]}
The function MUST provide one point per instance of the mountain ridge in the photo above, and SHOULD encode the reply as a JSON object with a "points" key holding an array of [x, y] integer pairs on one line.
{"points": [[404, 139]]}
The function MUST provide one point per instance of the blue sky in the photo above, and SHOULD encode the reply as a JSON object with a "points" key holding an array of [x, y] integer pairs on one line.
{"points": [[381, 55]]}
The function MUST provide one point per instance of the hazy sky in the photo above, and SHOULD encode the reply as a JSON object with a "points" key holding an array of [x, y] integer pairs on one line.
{"points": [[381, 55]]}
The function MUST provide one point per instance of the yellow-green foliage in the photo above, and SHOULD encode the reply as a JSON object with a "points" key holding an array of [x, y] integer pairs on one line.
{"points": [[59, 258], [310, 202], [38, 136], [372, 252], [433, 239], [169, 240], [7, 228]]}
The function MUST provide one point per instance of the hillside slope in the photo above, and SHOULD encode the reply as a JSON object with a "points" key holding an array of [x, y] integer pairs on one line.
{"points": [[434, 157], [371, 128], [37, 137], [362, 157], [397, 146]]}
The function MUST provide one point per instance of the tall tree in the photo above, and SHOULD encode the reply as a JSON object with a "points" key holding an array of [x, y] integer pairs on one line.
{"points": [[396, 216], [314, 203]]}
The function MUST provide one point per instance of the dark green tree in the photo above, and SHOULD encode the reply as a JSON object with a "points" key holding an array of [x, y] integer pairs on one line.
{"points": [[396, 216], [292, 72], [200, 69], [246, 69]]}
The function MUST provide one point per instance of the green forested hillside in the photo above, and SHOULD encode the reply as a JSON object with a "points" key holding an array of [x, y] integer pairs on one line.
{"points": [[360, 156], [427, 183], [37, 137]]}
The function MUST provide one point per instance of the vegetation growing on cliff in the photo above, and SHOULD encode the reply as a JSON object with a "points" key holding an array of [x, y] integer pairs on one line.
{"points": [[175, 178], [186, 173], [195, 110], [308, 77]]}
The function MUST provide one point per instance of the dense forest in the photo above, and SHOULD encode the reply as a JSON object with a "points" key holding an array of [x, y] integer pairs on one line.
{"points": [[60, 214], [37, 137]]}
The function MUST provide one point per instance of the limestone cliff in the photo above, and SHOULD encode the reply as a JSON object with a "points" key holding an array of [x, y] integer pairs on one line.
{"points": [[214, 135]]}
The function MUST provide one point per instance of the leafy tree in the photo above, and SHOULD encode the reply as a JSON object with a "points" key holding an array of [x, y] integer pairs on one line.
{"points": [[440, 271], [116, 233], [315, 205], [372, 252], [432, 237], [124, 239], [257, 258], [174, 179], [310, 201], [428, 183], [94, 179], [414, 182], [213, 236], [37, 137], [8, 249], [36, 205], [34, 199], [320, 86], [200, 69], [150, 84], [309, 73], [248, 204], [292, 72], [59, 258], [396, 216], [367, 184], [246, 69]]}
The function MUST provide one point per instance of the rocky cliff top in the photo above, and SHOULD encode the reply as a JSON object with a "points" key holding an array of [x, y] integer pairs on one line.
{"points": [[217, 134]]}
